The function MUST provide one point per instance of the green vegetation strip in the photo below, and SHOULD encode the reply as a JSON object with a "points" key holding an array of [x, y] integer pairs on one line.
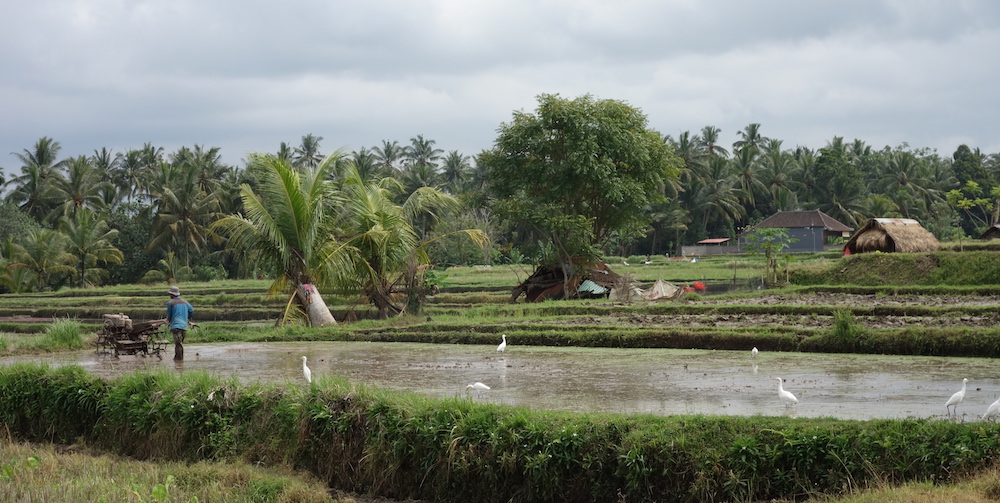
{"points": [[406, 446]]}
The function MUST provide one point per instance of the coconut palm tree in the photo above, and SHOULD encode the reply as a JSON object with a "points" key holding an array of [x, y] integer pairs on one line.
{"points": [[389, 156], [746, 166], [82, 187], [90, 243], [384, 250], [365, 162], [422, 152], [456, 171], [779, 175], [182, 210], [285, 230], [307, 154], [710, 142], [43, 253], [32, 190], [750, 137]]}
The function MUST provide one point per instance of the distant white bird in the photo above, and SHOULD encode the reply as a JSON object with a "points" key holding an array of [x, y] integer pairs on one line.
{"points": [[503, 345], [477, 387], [786, 396], [625, 263], [753, 352], [956, 398], [306, 372], [992, 411]]}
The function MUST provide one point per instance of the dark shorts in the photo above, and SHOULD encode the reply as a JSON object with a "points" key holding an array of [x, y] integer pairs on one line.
{"points": [[178, 334]]}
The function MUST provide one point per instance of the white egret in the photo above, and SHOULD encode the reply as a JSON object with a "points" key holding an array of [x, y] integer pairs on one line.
{"points": [[476, 386], [786, 396], [306, 372], [503, 345], [956, 398], [992, 411], [753, 352]]}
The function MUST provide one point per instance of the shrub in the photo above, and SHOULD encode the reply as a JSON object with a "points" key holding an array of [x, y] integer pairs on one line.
{"points": [[63, 334]]}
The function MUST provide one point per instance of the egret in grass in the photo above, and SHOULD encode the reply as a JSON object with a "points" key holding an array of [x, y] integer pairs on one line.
{"points": [[753, 352], [992, 411], [477, 387], [306, 372], [786, 396], [956, 398], [503, 344]]}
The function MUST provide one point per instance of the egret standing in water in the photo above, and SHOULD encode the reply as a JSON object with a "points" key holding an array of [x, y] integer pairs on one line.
{"points": [[503, 344], [753, 352], [306, 372], [956, 398], [476, 387], [992, 411], [786, 396]]}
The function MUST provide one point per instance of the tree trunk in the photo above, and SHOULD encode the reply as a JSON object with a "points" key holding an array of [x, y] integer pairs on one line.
{"points": [[316, 311]]}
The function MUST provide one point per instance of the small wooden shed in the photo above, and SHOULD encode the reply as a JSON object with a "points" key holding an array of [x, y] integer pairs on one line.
{"points": [[889, 235]]}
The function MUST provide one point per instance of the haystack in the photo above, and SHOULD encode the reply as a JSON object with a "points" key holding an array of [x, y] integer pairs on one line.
{"points": [[548, 282], [888, 235]]}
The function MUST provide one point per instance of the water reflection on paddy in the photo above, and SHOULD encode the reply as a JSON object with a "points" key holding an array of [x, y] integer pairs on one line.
{"points": [[655, 381]]}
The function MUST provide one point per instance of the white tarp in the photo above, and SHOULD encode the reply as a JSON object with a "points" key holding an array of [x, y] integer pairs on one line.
{"points": [[660, 290]]}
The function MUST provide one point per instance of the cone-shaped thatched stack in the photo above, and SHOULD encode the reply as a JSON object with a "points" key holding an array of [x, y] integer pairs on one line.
{"points": [[888, 235]]}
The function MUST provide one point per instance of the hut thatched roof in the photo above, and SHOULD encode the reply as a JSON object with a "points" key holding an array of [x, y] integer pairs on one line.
{"points": [[992, 233], [891, 235]]}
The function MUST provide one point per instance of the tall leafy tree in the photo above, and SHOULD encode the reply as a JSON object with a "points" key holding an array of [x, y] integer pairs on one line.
{"points": [[384, 251], [456, 171], [779, 176], [128, 175], [183, 211], [81, 187], [365, 162], [422, 152], [32, 189], [90, 242], [285, 230], [579, 172], [307, 154], [710, 142], [750, 138], [43, 254], [746, 167], [390, 155], [841, 183]]}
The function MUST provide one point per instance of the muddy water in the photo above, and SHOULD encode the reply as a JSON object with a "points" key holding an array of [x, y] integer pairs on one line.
{"points": [[655, 381]]}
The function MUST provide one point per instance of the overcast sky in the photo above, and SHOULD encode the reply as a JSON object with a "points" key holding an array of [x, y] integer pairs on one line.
{"points": [[245, 75]]}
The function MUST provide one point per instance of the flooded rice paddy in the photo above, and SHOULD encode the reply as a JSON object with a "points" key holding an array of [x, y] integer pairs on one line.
{"points": [[653, 381]]}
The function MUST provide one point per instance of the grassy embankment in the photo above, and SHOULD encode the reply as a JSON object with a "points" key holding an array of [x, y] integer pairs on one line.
{"points": [[406, 446]]}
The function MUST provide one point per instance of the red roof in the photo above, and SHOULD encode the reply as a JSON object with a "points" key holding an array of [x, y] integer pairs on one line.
{"points": [[713, 241]]}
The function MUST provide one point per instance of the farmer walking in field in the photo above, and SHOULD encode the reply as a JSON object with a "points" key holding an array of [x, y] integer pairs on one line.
{"points": [[178, 313]]}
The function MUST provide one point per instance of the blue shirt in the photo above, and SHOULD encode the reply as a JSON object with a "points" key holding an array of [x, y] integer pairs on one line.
{"points": [[178, 312]]}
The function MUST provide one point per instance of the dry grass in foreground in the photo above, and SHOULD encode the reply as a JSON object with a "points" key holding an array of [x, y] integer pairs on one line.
{"points": [[981, 488], [41, 472]]}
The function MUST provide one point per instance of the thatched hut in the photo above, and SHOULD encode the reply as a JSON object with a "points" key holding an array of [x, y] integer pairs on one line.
{"points": [[887, 235], [992, 233]]}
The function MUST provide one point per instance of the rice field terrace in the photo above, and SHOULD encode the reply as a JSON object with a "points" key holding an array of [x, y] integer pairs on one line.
{"points": [[474, 306], [404, 446]]}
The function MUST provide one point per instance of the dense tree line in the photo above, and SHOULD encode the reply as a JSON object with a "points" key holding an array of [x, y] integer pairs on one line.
{"points": [[147, 215]]}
